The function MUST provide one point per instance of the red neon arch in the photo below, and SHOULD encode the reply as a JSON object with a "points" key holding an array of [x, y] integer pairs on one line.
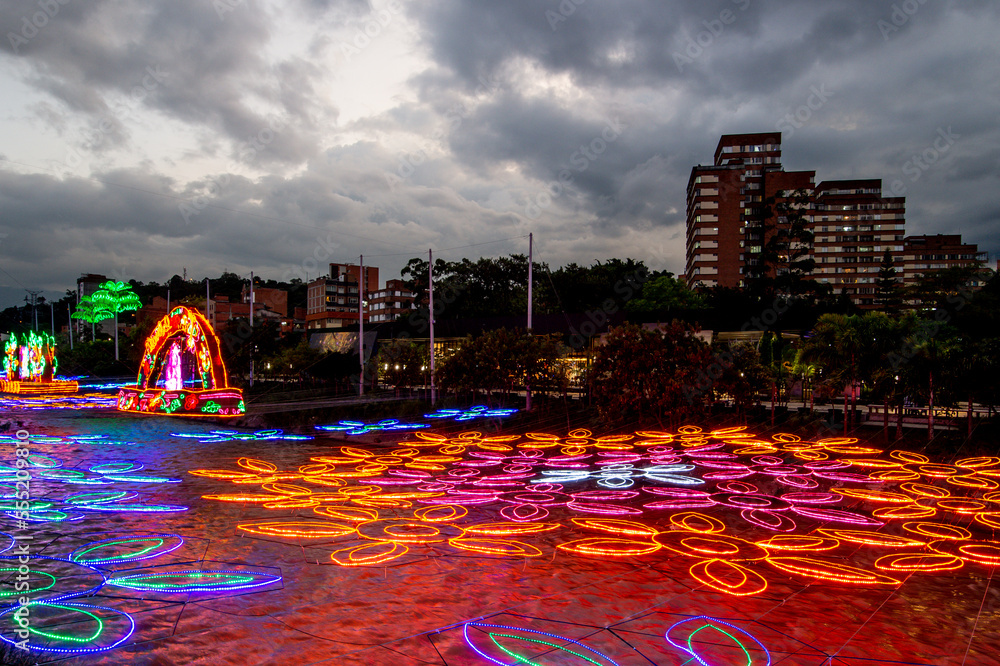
{"points": [[215, 398], [195, 333]]}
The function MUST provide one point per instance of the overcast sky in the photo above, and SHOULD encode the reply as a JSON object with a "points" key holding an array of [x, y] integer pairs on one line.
{"points": [[140, 138]]}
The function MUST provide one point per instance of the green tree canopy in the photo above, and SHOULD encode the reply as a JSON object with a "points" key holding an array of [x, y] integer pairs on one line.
{"points": [[641, 373], [664, 293]]}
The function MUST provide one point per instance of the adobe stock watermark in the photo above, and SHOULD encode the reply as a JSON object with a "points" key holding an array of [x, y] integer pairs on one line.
{"points": [[566, 9], [723, 360], [372, 29], [322, 251], [247, 153], [714, 28], [31, 25], [580, 160], [409, 162], [626, 289], [927, 329], [420, 320], [900, 16], [153, 77], [915, 167], [797, 119], [22, 507], [223, 7]]}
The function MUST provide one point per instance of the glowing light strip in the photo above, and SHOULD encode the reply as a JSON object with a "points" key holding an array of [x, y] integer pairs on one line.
{"points": [[213, 580], [73, 606], [77, 556], [465, 633], [710, 622]]}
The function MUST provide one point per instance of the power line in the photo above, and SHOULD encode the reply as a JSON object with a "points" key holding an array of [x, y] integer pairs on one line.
{"points": [[457, 247]]}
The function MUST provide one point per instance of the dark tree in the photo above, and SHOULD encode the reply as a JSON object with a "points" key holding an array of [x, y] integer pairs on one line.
{"points": [[784, 259], [888, 291]]}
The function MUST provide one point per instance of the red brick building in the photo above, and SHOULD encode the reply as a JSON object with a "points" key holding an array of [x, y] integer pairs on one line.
{"points": [[333, 302], [853, 226], [927, 254], [386, 304], [725, 206]]}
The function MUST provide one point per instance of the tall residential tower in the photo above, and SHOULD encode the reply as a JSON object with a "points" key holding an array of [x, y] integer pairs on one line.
{"points": [[729, 201]]}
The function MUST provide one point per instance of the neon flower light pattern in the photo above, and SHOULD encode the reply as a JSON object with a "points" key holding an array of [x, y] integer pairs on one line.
{"points": [[626, 496], [116, 564], [194, 580], [472, 413], [360, 427], [710, 648], [59, 624], [30, 364], [237, 436], [183, 337], [508, 643]]}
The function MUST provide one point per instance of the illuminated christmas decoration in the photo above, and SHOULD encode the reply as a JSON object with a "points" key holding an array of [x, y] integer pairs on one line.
{"points": [[531, 642], [361, 428], [829, 571], [115, 296], [472, 413], [120, 549], [30, 364], [983, 552], [423, 487], [91, 618], [682, 635], [194, 580], [918, 562], [237, 436], [182, 372]]}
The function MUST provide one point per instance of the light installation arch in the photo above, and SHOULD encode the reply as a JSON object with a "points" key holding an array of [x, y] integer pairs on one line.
{"points": [[29, 365], [182, 372]]}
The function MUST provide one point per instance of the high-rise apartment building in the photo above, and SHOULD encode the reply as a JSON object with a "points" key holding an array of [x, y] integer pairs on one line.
{"points": [[725, 206], [853, 226], [729, 202]]}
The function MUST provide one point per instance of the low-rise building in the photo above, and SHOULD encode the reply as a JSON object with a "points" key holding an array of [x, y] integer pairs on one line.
{"points": [[926, 254], [334, 301], [390, 302]]}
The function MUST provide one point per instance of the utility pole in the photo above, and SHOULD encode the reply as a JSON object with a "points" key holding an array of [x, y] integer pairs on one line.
{"points": [[251, 328], [430, 290], [34, 310], [361, 322], [52, 312], [527, 384], [69, 311], [208, 302]]}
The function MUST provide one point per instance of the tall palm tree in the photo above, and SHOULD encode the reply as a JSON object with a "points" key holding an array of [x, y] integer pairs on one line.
{"points": [[116, 296], [88, 310]]}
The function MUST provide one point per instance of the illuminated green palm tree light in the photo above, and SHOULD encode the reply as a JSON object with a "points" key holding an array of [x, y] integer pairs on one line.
{"points": [[116, 296]]}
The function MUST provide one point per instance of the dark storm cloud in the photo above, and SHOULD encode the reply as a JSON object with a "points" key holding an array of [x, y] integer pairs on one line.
{"points": [[891, 77], [209, 58]]}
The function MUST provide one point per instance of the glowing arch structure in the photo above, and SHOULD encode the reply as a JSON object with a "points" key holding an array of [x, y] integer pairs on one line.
{"points": [[29, 365], [182, 372]]}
